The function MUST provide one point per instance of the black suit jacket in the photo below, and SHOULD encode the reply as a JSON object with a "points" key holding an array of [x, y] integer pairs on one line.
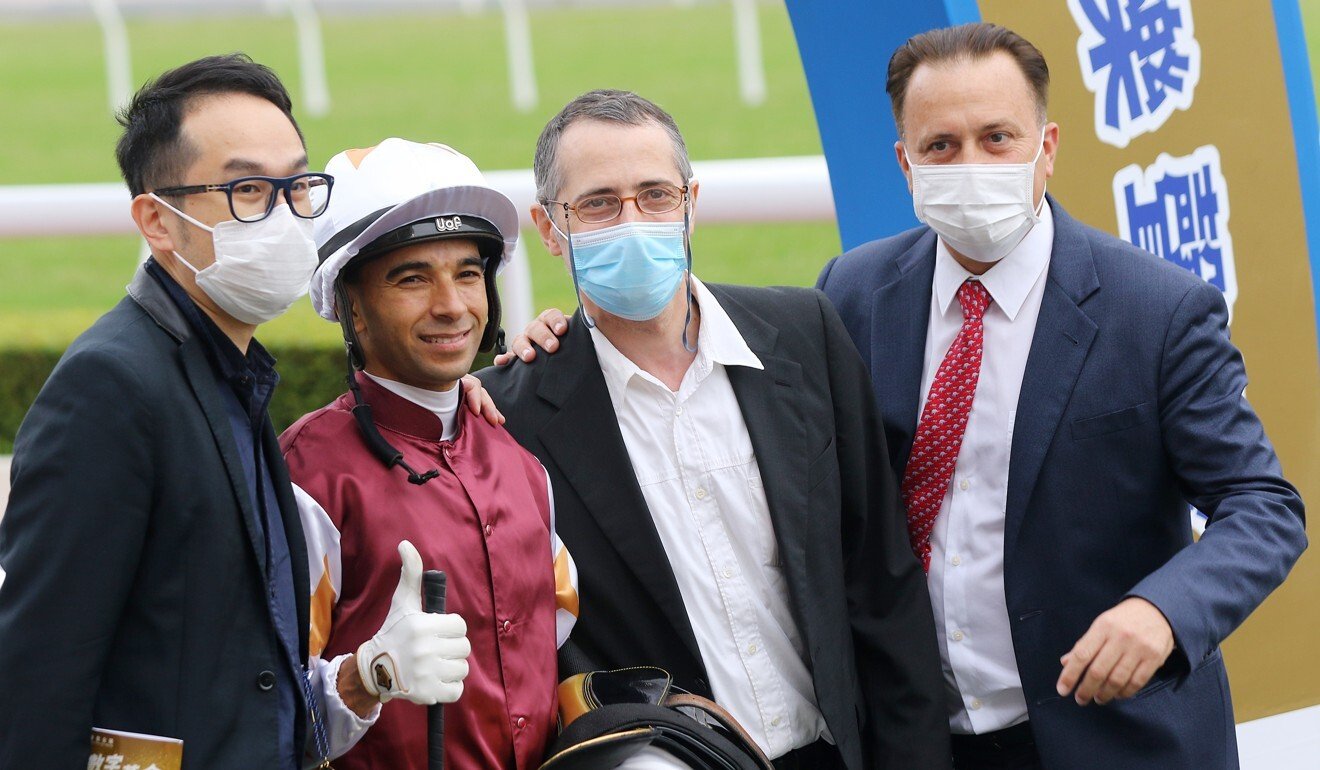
{"points": [[134, 597], [858, 594]]}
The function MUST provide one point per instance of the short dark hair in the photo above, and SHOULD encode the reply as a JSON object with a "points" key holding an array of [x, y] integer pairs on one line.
{"points": [[610, 106], [151, 152], [968, 41]]}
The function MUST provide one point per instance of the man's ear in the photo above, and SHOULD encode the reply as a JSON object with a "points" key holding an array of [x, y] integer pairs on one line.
{"points": [[549, 239], [694, 187], [150, 220], [1050, 148], [903, 164], [354, 303]]}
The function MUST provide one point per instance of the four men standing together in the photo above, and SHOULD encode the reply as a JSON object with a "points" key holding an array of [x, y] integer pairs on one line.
{"points": [[745, 508]]}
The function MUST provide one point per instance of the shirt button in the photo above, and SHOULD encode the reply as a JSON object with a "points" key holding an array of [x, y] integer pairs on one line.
{"points": [[487, 530], [678, 412], [957, 636], [964, 484], [521, 721], [775, 722], [976, 703], [751, 649], [508, 624], [701, 493], [728, 573], [955, 561]]}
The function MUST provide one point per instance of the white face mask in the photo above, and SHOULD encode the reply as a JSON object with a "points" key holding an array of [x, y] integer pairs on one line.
{"points": [[981, 210], [261, 268]]}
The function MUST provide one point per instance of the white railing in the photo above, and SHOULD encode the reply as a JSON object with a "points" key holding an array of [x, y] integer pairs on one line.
{"points": [[732, 192], [311, 58], [518, 51], [114, 38]]}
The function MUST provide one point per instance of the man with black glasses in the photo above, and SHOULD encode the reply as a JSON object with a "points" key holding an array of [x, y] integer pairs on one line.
{"points": [[156, 569], [719, 468]]}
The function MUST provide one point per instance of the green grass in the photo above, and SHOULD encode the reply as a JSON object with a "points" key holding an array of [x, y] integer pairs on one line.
{"points": [[428, 77]]}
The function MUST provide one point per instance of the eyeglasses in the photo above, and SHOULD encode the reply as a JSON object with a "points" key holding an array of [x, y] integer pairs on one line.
{"points": [[252, 198], [657, 199]]}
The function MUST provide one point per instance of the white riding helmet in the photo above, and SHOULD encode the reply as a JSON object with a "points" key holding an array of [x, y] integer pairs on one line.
{"points": [[399, 193]]}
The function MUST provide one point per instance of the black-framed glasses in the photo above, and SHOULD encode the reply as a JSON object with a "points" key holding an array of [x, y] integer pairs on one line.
{"points": [[656, 199], [252, 198]]}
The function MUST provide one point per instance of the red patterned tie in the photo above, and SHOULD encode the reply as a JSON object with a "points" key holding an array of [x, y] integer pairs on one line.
{"points": [[943, 421]]}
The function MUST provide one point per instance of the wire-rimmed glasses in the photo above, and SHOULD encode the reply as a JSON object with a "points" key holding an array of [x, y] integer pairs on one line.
{"points": [[655, 199]]}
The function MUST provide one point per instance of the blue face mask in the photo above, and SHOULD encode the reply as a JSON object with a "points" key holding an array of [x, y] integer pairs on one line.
{"points": [[630, 270]]}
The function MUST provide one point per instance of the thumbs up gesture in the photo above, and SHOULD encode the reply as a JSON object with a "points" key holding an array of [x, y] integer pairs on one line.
{"points": [[418, 656]]}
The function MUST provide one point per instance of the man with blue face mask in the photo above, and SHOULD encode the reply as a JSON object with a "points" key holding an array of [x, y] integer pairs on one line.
{"points": [[718, 467], [1054, 399]]}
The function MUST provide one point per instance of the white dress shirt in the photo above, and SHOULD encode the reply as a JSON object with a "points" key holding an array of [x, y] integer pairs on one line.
{"points": [[966, 577], [693, 459]]}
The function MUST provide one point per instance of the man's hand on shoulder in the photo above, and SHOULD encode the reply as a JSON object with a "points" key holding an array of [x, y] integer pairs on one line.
{"points": [[1118, 654], [479, 401], [546, 327]]}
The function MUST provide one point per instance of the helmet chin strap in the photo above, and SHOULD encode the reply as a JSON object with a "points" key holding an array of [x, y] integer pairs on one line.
{"points": [[492, 337], [379, 447], [351, 345]]}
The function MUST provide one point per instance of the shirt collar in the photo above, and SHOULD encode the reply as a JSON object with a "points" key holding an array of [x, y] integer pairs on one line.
{"points": [[400, 414], [718, 342], [719, 339], [1010, 280], [442, 403]]}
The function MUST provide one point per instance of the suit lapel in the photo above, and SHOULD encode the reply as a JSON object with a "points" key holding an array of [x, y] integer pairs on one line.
{"points": [[769, 402], [202, 379], [585, 442], [1064, 333], [293, 530], [900, 314]]}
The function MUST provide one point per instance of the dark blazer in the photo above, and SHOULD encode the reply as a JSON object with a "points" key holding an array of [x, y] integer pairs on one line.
{"points": [[1131, 408], [857, 592], [135, 592]]}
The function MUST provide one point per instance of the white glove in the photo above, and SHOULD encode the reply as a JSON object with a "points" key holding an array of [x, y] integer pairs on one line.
{"points": [[417, 656]]}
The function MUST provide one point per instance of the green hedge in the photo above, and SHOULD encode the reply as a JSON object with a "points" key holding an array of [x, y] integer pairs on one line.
{"points": [[22, 373], [310, 377]]}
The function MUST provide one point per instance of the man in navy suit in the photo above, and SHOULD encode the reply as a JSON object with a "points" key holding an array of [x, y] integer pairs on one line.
{"points": [[1054, 398]]}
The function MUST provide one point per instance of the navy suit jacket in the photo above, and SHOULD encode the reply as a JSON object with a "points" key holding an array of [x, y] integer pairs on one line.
{"points": [[1131, 408]]}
